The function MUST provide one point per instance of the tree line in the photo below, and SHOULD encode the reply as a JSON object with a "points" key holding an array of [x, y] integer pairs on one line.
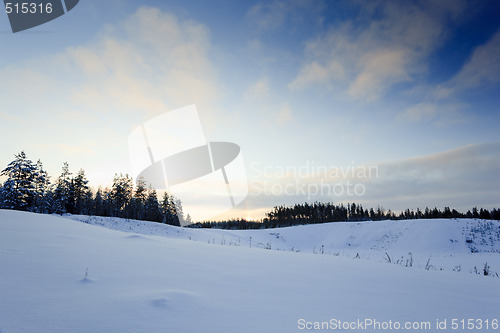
{"points": [[318, 212], [28, 187]]}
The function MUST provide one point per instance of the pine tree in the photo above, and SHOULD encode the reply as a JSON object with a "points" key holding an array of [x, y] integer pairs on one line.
{"points": [[137, 207], [121, 193], [18, 191], [484, 214], [168, 210], [495, 214], [107, 203], [179, 212], [80, 193], [475, 213], [98, 207], [42, 201], [152, 207], [63, 196], [2, 197]]}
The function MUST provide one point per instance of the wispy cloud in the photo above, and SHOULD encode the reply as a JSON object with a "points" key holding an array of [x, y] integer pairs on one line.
{"points": [[466, 176], [462, 177], [315, 73], [158, 62], [268, 16], [135, 69], [483, 67], [419, 112], [385, 44], [379, 70], [284, 115], [434, 112], [481, 70], [272, 15], [259, 89]]}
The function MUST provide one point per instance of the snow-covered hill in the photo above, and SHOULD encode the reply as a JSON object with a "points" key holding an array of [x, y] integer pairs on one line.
{"points": [[462, 245], [61, 275]]}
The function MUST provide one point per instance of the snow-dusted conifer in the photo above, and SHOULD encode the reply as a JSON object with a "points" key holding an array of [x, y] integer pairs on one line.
{"points": [[179, 212], [80, 193], [18, 191], [137, 205], [168, 210], [121, 194], [98, 203], [152, 206], [42, 189], [63, 191]]}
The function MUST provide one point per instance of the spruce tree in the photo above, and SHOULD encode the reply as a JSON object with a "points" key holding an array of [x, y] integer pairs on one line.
{"points": [[18, 191], [152, 207], [121, 193], [63, 196], [2, 197], [42, 200], [168, 210], [80, 193], [137, 209], [179, 212], [98, 207]]}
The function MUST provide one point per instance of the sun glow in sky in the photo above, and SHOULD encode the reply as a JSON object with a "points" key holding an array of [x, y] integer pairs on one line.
{"points": [[408, 88]]}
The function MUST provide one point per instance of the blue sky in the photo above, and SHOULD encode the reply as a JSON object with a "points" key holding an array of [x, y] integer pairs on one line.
{"points": [[411, 88]]}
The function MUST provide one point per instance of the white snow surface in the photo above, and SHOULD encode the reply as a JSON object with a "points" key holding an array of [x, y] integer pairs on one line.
{"points": [[58, 274]]}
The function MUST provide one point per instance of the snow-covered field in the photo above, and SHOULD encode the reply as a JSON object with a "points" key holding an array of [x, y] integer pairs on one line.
{"points": [[58, 274], [461, 245]]}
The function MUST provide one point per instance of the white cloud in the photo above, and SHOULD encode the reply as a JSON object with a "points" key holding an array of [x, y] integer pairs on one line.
{"points": [[152, 62], [482, 68], [155, 63], [419, 112], [284, 115], [380, 69], [272, 15], [461, 177], [149, 64], [258, 90], [386, 44], [441, 114], [315, 73], [268, 16]]}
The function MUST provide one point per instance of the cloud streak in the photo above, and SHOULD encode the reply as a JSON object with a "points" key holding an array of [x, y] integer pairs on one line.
{"points": [[133, 70], [463, 177], [385, 44], [466, 176], [155, 62], [483, 67], [269, 16]]}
